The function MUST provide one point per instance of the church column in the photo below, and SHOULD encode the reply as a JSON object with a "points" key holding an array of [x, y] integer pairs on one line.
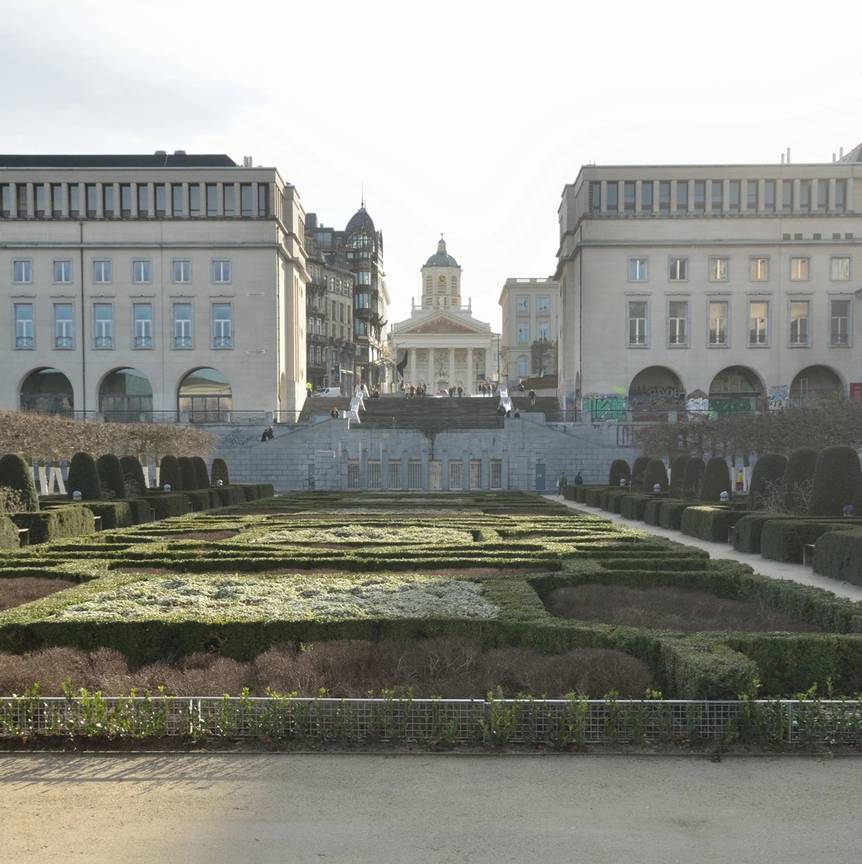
{"points": [[411, 364], [430, 381], [471, 382], [451, 367]]}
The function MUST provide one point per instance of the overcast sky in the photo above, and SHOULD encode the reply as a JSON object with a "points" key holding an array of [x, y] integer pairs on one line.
{"points": [[461, 117]]}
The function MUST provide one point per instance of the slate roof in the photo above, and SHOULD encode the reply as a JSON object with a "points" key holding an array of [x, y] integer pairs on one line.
{"points": [[123, 160]]}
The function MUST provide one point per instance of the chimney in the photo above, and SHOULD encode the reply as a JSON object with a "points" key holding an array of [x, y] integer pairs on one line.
{"points": [[161, 152], [247, 161], [788, 155], [833, 156], [782, 158], [179, 152], [840, 152]]}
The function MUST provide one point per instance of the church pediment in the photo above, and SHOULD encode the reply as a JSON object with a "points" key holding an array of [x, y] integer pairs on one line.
{"points": [[444, 324]]}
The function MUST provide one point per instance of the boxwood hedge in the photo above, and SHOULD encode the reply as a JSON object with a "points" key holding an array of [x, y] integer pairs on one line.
{"points": [[838, 555]]}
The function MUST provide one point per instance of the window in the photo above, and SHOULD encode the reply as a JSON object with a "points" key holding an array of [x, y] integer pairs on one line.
{"points": [[646, 197], [769, 195], [595, 197], [638, 269], [362, 300], [23, 205], [39, 199], [799, 269], [24, 335], [107, 199], [161, 199], [395, 474], [6, 199], [181, 269], [682, 195], [353, 474], [62, 271], [840, 195], [718, 323], [496, 474], [543, 331], [229, 200], [523, 334], [414, 474], [822, 194], [664, 196], [103, 325], [475, 473], [752, 195], [125, 199], [758, 320], [718, 269], [143, 199], [262, 199], [182, 314], [543, 303], [245, 199], [142, 325], [716, 192], [523, 304], [700, 195], [212, 199], [22, 270], [805, 195], [57, 200], [363, 277], [194, 199], [375, 479], [142, 271], [799, 323], [177, 199], [361, 328], [839, 269], [103, 271], [629, 196], [456, 474], [787, 195], [523, 366], [637, 321], [759, 271], [839, 325], [678, 323], [221, 271], [64, 326], [612, 194], [678, 269], [733, 194], [222, 325]]}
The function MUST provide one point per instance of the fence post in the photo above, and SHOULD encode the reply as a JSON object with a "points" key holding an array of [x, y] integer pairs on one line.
{"points": [[789, 722]]}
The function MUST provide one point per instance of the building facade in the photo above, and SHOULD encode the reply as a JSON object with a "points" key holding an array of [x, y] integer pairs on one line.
{"points": [[528, 344], [712, 287], [151, 287], [441, 345]]}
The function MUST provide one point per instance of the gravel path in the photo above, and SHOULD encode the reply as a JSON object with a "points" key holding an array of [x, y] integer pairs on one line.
{"points": [[428, 808], [774, 569]]}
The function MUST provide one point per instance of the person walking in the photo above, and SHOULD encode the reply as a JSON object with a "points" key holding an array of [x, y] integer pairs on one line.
{"points": [[460, 391], [532, 395]]}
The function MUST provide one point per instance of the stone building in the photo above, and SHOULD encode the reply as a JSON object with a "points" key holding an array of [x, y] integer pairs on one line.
{"points": [[528, 344], [165, 286], [710, 287], [441, 344]]}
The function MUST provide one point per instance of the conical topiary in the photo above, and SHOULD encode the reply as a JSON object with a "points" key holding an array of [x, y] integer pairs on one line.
{"points": [[201, 476], [15, 474], [219, 472], [677, 474], [619, 471], [187, 473], [799, 478], [638, 469], [716, 479], [835, 477], [768, 473], [110, 476], [133, 475], [169, 473], [693, 477], [84, 477], [655, 474]]}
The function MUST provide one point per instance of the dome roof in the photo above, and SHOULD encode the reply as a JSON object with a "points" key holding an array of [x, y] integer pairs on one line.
{"points": [[360, 221], [441, 258]]}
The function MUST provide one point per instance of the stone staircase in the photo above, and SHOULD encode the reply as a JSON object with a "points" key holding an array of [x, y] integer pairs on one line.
{"points": [[546, 405], [430, 414], [316, 408]]}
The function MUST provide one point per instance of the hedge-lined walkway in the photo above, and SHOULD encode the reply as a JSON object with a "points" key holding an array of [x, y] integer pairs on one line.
{"points": [[773, 569]]}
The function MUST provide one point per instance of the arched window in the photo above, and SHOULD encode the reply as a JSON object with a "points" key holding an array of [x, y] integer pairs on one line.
{"points": [[47, 391], [205, 395], [126, 396]]}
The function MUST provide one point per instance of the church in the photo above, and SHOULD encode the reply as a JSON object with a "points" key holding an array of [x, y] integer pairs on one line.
{"points": [[441, 344]]}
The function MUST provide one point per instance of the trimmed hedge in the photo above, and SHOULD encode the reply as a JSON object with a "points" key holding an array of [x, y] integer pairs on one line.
{"points": [[219, 472], [169, 474], [133, 475], [708, 522], [670, 513], [16, 474], [784, 539], [638, 469], [620, 470], [84, 477], [167, 504], [656, 473], [769, 471], [716, 479], [633, 506], [114, 514], [68, 520], [838, 555], [746, 537], [835, 477], [694, 470], [799, 472], [613, 499], [677, 474], [111, 475], [8, 533], [188, 476], [652, 511], [202, 477], [593, 495], [231, 495]]}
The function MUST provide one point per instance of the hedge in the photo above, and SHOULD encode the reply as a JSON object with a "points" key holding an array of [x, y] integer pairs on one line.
{"points": [[133, 475], [593, 495], [784, 539], [68, 520], [638, 469], [799, 473], [619, 471], [694, 470], [655, 474], [838, 555], [202, 476], [110, 476], [670, 513], [677, 474], [835, 477], [84, 477], [188, 476], [613, 499], [114, 514], [169, 473], [708, 522], [219, 472], [768, 473], [167, 504], [8, 533], [16, 474], [231, 495], [716, 479], [749, 528], [633, 506]]}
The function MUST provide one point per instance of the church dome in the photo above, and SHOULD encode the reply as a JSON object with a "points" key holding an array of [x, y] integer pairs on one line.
{"points": [[441, 258]]}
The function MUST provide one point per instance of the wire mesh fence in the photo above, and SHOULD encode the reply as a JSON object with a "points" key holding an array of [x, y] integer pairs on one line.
{"points": [[560, 724]]}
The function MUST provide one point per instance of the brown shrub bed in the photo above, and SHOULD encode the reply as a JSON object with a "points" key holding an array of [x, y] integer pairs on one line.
{"points": [[667, 608], [23, 589], [452, 668], [198, 535]]}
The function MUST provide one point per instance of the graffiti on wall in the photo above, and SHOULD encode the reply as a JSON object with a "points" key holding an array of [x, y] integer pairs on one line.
{"points": [[778, 397], [605, 406]]}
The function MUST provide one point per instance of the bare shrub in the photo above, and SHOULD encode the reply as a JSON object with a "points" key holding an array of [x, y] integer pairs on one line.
{"points": [[11, 500], [196, 675], [23, 589], [667, 608]]}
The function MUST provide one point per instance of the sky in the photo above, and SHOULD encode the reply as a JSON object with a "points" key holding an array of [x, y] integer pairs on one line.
{"points": [[466, 118]]}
